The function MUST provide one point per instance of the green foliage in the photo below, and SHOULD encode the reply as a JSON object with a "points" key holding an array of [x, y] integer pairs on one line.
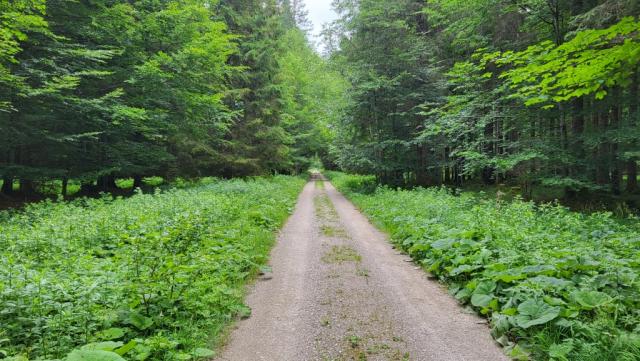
{"points": [[592, 62], [560, 284], [152, 277], [99, 90], [389, 65], [442, 92], [17, 19], [314, 98]]}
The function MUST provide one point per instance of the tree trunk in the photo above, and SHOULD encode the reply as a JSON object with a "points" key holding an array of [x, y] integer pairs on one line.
{"points": [[26, 187], [137, 181], [65, 186], [632, 176], [634, 115], [421, 172], [602, 166], [616, 164], [7, 186], [107, 183], [87, 188], [447, 167]]}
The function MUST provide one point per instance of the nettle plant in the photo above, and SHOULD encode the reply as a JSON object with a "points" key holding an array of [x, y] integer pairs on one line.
{"points": [[152, 277]]}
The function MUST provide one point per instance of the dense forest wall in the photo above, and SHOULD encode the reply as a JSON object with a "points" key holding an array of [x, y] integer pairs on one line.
{"points": [[530, 93], [527, 92], [98, 90]]}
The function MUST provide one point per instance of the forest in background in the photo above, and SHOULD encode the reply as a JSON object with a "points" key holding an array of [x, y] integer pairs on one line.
{"points": [[94, 91], [527, 93], [532, 95]]}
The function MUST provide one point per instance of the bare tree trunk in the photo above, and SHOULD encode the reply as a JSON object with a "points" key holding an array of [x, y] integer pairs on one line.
{"points": [[602, 168], [576, 144], [632, 176], [107, 182], [26, 187], [422, 178], [137, 181], [634, 113], [616, 166], [7, 185], [65, 186], [447, 167]]}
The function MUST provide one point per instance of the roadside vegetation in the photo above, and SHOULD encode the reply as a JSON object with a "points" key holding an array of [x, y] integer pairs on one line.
{"points": [[554, 284], [151, 277]]}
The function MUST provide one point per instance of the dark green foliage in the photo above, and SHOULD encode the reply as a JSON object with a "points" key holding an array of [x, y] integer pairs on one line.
{"points": [[532, 93], [99, 90], [555, 284]]}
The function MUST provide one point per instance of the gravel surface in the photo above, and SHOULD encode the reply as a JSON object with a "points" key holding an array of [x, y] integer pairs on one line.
{"points": [[339, 291]]}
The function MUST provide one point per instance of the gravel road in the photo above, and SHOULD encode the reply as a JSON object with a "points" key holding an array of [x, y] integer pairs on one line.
{"points": [[339, 291]]}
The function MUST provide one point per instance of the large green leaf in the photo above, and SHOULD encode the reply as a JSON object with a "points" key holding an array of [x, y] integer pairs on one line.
{"points": [[203, 353], [443, 244], [535, 312], [103, 346], [590, 299], [139, 321], [560, 351], [111, 334], [480, 300], [483, 294], [93, 355]]}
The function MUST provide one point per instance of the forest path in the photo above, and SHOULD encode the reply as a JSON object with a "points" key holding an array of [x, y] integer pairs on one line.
{"points": [[339, 291]]}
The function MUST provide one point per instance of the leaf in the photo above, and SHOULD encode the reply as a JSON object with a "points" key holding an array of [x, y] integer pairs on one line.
{"points": [[443, 244], [465, 268], [483, 294], [480, 300], [590, 299], [243, 311], [535, 312], [111, 334], [93, 355], [485, 288], [508, 277], [126, 348], [204, 353], [561, 351], [104, 346], [139, 321], [518, 353], [463, 294]]}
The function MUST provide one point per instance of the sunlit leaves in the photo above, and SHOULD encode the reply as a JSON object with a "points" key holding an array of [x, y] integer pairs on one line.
{"points": [[589, 64]]}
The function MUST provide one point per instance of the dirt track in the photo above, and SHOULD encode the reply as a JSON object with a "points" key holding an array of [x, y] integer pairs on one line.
{"points": [[339, 291]]}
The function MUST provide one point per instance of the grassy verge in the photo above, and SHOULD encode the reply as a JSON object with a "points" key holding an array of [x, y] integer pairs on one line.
{"points": [[555, 284], [151, 277]]}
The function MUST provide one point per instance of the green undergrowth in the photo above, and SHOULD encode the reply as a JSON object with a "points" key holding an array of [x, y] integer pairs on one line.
{"points": [[151, 277], [555, 284]]}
